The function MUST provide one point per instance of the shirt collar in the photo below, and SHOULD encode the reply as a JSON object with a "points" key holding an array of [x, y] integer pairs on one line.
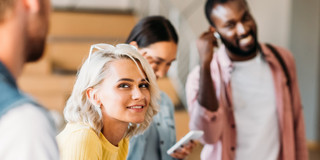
{"points": [[4, 72], [266, 52]]}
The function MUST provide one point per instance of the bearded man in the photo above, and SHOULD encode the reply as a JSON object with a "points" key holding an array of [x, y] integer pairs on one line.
{"points": [[244, 95]]}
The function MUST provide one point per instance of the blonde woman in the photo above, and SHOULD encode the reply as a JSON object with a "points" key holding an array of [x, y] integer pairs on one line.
{"points": [[114, 98]]}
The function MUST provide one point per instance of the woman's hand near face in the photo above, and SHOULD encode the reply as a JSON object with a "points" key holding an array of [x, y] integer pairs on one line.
{"points": [[151, 61], [160, 55], [184, 151]]}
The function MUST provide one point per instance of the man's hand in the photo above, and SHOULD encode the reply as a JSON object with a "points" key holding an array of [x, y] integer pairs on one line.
{"points": [[207, 95], [205, 45]]}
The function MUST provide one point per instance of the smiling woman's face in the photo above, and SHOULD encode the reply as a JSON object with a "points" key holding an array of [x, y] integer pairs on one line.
{"points": [[160, 55], [124, 93]]}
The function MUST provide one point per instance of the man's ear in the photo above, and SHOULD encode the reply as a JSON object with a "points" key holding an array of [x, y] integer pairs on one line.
{"points": [[212, 29], [215, 33], [92, 96], [32, 5]]}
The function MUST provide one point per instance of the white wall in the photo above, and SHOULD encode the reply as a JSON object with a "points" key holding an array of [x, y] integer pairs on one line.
{"points": [[304, 43], [273, 20], [93, 4]]}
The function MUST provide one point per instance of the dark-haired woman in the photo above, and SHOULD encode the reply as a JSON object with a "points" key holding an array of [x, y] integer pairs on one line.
{"points": [[156, 39]]}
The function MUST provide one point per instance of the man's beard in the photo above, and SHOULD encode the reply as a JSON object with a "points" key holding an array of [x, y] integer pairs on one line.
{"points": [[237, 50], [34, 48]]}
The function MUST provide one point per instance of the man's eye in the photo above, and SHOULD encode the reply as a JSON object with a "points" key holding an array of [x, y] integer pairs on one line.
{"points": [[230, 25], [124, 86], [144, 85], [246, 18]]}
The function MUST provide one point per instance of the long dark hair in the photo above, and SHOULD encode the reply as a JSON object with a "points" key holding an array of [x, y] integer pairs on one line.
{"points": [[152, 29]]}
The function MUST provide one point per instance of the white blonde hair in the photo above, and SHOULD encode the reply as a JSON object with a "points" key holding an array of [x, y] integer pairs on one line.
{"points": [[92, 73]]}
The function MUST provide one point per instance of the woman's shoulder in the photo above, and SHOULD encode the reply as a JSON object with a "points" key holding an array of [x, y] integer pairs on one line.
{"points": [[78, 133], [165, 99], [166, 106], [78, 141], [124, 142], [124, 146]]}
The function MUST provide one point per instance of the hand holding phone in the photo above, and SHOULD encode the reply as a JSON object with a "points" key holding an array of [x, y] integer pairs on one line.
{"points": [[192, 135]]}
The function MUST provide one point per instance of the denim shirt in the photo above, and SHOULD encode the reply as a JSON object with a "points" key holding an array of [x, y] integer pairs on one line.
{"points": [[10, 96], [28, 123], [165, 126]]}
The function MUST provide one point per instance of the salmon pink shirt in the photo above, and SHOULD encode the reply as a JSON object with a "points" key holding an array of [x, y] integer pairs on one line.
{"points": [[220, 130]]}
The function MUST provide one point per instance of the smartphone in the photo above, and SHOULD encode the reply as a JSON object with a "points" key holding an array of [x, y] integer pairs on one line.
{"points": [[192, 135]]}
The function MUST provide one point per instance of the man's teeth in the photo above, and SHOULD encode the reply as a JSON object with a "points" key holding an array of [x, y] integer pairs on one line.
{"points": [[136, 107], [246, 40]]}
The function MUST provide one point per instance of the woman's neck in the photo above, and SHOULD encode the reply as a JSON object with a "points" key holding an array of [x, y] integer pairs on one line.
{"points": [[114, 130]]}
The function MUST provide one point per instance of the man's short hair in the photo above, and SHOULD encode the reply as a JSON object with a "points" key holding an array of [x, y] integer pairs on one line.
{"points": [[5, 5], [210, 4]]}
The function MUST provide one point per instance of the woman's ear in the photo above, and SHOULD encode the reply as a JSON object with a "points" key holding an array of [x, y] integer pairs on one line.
{"points": [[134, 43], [140, 50], [92, 96]]}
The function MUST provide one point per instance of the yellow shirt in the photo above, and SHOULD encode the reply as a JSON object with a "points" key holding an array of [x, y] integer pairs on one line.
{"points": [[78, 141]]}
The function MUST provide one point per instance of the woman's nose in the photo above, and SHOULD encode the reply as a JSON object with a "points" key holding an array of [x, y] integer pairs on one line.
{"points": [[137, 94]]}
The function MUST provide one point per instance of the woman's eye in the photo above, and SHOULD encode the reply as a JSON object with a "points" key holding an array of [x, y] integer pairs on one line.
{"points": [[145, 85], [124, 86], [157, 62]]}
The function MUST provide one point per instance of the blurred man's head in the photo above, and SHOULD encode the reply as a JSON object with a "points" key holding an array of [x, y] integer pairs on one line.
{"points": [[235, 24], [33, 16], [37, 31]]}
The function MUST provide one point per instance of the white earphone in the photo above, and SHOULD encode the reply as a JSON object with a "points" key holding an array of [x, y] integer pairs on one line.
{"points": [[217, 35]]}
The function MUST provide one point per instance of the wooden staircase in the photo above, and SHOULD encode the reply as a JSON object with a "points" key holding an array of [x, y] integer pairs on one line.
{"points": [[51, 79]]}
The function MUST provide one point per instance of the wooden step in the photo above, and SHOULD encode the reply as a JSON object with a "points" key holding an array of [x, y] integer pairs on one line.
{"points": [[77, 24], [72, 34], [50, 90]]}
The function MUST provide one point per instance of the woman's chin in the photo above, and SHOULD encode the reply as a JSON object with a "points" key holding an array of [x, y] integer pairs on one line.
{"points": [[138, 121]]}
